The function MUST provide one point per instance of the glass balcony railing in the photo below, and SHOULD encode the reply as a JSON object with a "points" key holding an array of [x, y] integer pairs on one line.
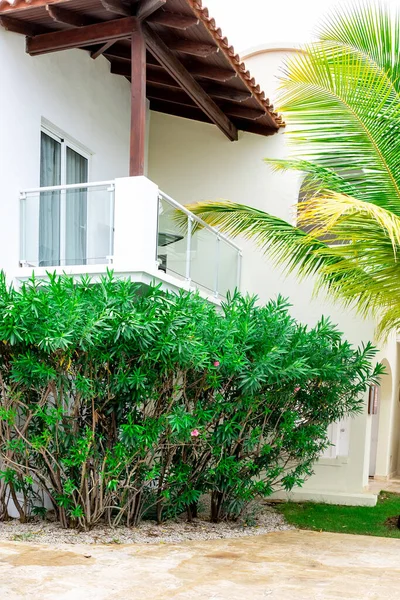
{"points": [[197, 253], [67, 225], [73, 225]]}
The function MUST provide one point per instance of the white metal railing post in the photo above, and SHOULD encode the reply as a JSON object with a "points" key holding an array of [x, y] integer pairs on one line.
{"points": [[239, 270], [188, 249], [216, 284], [197, 219], [63, 227], [67, 186], [111, 190], [22, 245]]}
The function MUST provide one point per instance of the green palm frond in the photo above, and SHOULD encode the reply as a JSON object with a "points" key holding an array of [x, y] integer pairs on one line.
{"points": [[341, 101], [369, 28], [361, 271], [318, 178], [348, 219], [295, 249], [345, 117]]}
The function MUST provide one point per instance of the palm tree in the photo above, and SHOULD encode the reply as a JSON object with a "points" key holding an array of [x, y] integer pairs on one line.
{"points": [[341, 98]]}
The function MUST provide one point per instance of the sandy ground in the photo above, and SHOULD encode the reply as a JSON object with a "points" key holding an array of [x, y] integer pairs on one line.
{"points": [[287, 565]]}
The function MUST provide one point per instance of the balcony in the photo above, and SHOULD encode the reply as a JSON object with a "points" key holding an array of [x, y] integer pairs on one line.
{"points": [[127, 225]]}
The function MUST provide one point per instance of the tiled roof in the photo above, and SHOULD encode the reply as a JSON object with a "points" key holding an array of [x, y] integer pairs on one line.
{"points": [[203, 14], [33, 12]]}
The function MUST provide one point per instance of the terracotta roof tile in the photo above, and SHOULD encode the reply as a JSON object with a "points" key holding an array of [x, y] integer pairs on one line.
{"points": [[203, 14]]}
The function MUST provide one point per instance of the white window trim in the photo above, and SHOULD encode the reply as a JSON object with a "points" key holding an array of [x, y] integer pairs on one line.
{"points": [[66, 142], [69, 142]]}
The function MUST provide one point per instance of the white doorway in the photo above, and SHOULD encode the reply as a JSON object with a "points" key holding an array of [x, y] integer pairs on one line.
{"points": [[380, 410], [374, 430]]}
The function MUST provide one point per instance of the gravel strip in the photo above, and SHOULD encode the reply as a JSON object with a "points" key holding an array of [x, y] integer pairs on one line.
{"points": [[261, 519]]}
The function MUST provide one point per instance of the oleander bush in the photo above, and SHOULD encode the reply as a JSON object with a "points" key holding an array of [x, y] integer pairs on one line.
{"points": [[120, 402]]}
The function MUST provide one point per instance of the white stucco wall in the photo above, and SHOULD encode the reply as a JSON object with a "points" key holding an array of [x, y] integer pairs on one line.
{"points": [[73, 92]]}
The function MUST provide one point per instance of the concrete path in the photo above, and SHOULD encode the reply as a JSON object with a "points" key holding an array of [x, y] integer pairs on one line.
{"points": [[392, 485], [290, 565]]}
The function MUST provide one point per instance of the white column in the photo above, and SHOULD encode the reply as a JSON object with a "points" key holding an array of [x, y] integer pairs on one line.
{"points": [[135, 225]]}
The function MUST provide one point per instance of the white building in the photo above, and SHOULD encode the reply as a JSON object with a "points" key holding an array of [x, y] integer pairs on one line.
{"points": [[84, 157]]}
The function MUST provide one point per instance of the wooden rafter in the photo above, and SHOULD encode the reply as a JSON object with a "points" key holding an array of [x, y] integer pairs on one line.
{"points": [[226, 93], [148, 7], [192, 47], [176, 69], [199, 69], [16, 26], [160, 78], [192, 112], [96, 53], [119, 52], [242, 112], [173, 20], [68, 17], [177, 96], [209, 72], [117, 7], [84, 36], [120, 68], [188, 112], [255, 127]]}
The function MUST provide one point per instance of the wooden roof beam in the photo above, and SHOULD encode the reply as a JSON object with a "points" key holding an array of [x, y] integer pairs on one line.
{"points": [[16, 26], [117, 7], [209, 72], [199, 69], [194, 90], [187, 112], [161, 78], [102, 49], [173, 20], [148, 7], [119, 52], [256, 127], [193, 48], [176, 96], [120, 68], [84, 36], [68, 17], [242, 112], [226, 93]]}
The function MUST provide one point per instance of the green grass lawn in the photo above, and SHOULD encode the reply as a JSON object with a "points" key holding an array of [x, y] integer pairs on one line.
{"points": [[362, 520]]}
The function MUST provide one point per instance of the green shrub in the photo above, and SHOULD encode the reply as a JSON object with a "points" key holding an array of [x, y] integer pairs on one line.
{"points": [[119, 401]]}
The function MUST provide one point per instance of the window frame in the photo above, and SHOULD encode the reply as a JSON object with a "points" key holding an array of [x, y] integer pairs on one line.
{"points": [[66, 142]]}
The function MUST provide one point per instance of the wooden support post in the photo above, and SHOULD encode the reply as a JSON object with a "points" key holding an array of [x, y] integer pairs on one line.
{"points": [[138, 103]]}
